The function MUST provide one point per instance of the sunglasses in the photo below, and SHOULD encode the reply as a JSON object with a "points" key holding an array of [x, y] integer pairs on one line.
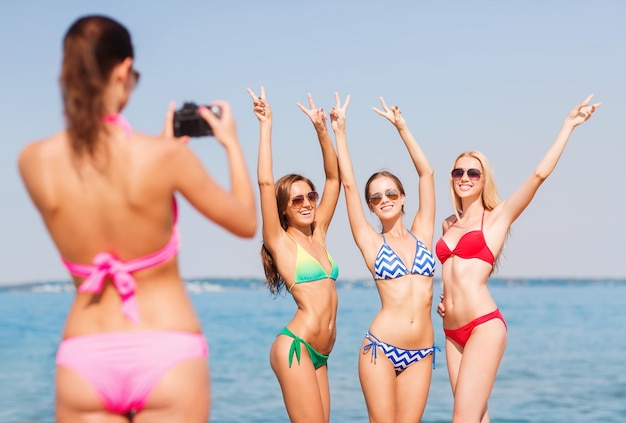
{"points": [[472, 174], [377, 197], [298, 200], [136, 75]]}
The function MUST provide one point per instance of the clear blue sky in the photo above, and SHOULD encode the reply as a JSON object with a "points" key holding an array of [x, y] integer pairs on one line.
{"points": [[497, 76]]}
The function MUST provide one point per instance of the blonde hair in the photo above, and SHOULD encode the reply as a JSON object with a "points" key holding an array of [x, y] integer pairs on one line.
{"points": [[490, 197]]}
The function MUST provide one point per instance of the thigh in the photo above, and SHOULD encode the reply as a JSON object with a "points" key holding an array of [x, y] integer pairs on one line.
{"points": [[477, 372], [77, 401], [378, 382], [322, 382], [181, 395], [299, 383], [412, 387], [454, 354]]}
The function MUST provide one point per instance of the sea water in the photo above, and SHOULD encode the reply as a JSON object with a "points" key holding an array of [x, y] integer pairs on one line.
{"points": [[565, 360]]}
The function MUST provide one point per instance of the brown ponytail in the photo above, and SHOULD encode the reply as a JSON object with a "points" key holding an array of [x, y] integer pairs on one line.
{"points": [[92, 46]]}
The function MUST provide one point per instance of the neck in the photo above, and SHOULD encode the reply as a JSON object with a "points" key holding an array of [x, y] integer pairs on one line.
{"points": [[394, 228], [119, 120], [472, 207], [306, 231]]}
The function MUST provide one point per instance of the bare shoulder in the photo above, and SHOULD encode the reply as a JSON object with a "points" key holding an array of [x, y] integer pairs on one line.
{"points": [[38, 151], [448, 221], [163, 150]]}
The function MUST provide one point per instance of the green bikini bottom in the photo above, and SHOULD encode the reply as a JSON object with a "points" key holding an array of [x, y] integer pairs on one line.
{"points": [[318, 359]]}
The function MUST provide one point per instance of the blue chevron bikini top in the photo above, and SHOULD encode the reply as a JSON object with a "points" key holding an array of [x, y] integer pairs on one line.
{"points": [[389, 265]]}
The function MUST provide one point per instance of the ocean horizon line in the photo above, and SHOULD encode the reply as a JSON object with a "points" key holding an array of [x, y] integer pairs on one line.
{"points": [[216, 284]]}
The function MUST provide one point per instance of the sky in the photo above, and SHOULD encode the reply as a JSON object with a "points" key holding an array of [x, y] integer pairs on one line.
{"points": [[496, 76]]}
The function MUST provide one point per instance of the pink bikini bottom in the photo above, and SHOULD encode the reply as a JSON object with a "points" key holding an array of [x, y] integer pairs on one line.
{"points": [[124, 367]]}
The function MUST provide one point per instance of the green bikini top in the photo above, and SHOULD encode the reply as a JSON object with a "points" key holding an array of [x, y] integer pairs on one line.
{"points": [[308, 269]]}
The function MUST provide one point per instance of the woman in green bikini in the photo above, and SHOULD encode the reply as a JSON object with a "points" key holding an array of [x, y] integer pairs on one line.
{"points": [[294, 256]]}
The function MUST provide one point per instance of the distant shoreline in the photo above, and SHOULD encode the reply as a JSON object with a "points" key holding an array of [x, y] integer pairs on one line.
{"points": [[199, 285]]}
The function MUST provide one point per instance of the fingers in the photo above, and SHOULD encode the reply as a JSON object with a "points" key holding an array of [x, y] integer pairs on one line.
{"points": [[311, 102], [382, 102], [252, 94], [211, 118], [301, 106], [338, 102], [587, 100], [168, 124], [377, 110], [345, 105]]}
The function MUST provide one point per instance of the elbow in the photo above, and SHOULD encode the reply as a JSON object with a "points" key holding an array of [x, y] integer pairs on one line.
{"points": [[248, 226], [541, 175], [429, 172], [265, 183]]}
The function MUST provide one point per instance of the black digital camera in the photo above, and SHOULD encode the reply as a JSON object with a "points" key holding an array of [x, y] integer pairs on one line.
{"points": [[187, 121]]}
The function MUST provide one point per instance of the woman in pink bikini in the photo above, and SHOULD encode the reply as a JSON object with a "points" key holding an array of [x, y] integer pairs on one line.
{"points": [[473, 237], [132, 347]]}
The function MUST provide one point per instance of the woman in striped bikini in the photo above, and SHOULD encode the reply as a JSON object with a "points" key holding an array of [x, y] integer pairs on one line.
{"points": [[397, 354]]}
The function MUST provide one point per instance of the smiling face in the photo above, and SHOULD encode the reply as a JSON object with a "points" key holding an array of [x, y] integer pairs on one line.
{"points": [[471, 186], [385, 198], [300, 210], [468, 185]]}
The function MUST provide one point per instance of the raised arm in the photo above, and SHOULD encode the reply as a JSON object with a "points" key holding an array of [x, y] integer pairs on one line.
{"points": [[272, 230], [332, 185], [234, 209], [424, 221], [511, 208], [362, 232]]}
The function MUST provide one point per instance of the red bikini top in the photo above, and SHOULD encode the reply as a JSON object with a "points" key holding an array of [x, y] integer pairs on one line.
{"points": [[471, 245]]}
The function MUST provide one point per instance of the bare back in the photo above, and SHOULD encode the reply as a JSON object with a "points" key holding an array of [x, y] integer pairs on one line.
{"points": [[121, 204]]}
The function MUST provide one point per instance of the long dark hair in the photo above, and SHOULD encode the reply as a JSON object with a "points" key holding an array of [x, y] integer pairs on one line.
{"points": [[274, 281], [92, 46]]}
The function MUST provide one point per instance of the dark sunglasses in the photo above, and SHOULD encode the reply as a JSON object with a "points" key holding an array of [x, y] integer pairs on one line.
{"points": [[472, 174], [377, 197], [136, 75], [298, 200]]}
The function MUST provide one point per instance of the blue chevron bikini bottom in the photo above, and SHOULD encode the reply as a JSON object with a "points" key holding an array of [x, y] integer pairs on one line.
{"points": [[400, 357]]}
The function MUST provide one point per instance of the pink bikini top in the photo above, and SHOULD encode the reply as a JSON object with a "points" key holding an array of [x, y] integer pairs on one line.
{"points": [[471, 245], [105, 264]]}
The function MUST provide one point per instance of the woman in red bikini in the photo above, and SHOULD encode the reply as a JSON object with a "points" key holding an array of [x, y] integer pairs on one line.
{"points": [[132, 347], [473, 237]]}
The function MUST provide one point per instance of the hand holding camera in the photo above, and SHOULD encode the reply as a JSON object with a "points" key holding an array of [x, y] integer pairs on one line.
{"points": [[189, 121]]}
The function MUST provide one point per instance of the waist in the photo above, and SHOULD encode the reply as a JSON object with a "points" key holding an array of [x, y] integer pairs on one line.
{"points": [[461, 311], [403, 333], [319, 332], [162, 305]]}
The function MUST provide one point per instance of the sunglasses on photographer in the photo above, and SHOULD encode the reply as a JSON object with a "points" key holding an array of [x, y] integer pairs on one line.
{"points": [[472, 174], [298, 200], [377, 197]]}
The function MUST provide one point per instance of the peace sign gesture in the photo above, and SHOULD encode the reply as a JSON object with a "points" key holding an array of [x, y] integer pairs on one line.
{"points": [[582, 112], [393, 114], [262, 109], [317, 116], [338, 113]]}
